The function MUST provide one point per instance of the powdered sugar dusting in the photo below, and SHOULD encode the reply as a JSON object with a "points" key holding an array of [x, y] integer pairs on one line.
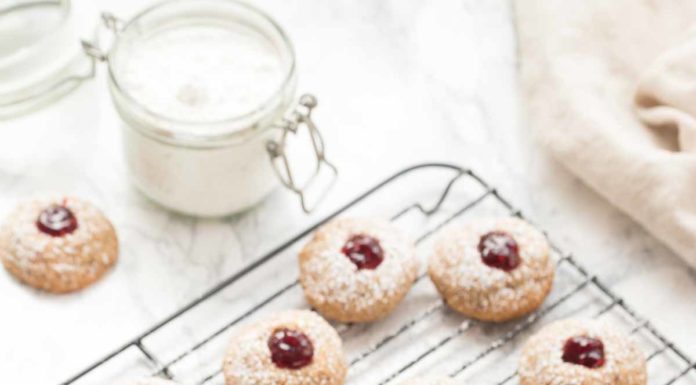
{"points": [[542, 362], [61, 263], [474, 288], [248, 360], [337, 288]]}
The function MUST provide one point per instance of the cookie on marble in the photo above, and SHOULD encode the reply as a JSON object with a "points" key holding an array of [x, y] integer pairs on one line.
{"points": [[492, 270], [295, 347], [58, 244], [430, 381], [583, 352], [357, 270]]}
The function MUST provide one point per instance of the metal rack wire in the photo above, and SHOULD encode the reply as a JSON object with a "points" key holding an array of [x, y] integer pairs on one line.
{"points": [[681, 364]]}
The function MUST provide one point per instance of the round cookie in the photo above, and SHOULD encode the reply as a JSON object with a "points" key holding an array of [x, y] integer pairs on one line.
{"points": [[357, 270], [430, 381], [58, 244], [295, 347], [583, 353], [492, 270]]}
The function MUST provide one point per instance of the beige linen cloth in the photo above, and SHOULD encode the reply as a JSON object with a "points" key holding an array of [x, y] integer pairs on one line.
{"points": [[610, 89]]}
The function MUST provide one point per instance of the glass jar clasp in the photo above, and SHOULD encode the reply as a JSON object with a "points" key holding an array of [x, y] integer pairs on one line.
{"points": [[94, 48], [302, 116]]}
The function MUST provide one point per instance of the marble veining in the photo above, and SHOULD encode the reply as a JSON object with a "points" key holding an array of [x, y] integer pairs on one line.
{"points": [[398, 83]]}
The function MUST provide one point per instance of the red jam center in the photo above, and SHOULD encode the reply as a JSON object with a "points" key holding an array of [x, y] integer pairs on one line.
{"points": [[499, 250], [290, 349], [364, 251], [56, 221], [585, 351]]}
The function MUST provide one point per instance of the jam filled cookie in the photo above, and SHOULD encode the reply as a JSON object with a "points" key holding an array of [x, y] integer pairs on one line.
{"points": [[430, 381], [295, 347], [357, 270], [493, 270], [583, 353], [58, 244]]}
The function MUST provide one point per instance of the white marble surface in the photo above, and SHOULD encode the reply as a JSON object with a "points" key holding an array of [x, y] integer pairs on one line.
{"points": [[399, 83]]}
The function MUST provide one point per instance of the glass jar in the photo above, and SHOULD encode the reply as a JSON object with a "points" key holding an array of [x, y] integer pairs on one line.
{"points": [[188, 144], [40, 54]]}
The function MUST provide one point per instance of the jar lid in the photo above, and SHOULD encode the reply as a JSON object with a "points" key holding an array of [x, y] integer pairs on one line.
{"points": [[41, 57]]}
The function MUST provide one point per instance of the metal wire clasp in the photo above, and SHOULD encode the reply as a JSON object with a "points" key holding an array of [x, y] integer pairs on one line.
{"points": [[301, 116], [94, 49]]}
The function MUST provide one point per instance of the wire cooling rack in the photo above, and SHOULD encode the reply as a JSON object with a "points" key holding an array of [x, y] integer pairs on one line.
{"points": [[422, 337]]}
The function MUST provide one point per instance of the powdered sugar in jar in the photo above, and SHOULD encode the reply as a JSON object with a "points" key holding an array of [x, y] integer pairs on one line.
{"points": [[206, 90]]}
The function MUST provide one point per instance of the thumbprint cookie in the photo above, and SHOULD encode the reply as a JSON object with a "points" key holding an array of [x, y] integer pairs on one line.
{"points": [[430, 381], [58, 244], [357, 270], [583, 352], [492, 270], [295, 347]]}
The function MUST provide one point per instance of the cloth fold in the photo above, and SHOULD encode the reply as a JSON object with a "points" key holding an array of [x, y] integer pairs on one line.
{"points": [[610, 90]]}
